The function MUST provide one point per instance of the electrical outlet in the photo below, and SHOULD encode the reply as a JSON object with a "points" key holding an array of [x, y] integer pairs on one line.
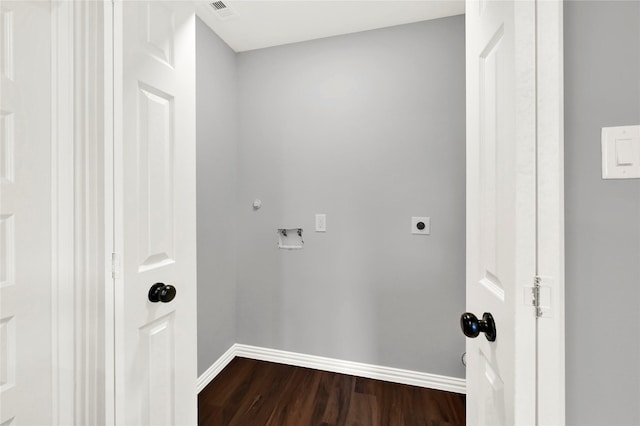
{"points": [[421, 225]]}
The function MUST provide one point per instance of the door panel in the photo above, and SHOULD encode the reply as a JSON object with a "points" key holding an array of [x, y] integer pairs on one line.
{"points": [[155, 147], [25, 213], [501, 209], [156, 342]]}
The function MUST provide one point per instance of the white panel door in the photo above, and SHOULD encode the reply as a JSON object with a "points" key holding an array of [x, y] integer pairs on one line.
{"points": [[155, 179], [25, 214], [501, 205]]}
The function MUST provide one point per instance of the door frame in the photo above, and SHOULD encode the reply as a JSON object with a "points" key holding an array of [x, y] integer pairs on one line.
{"points": [[63, 337], [80, 190], [550, 366], [94, 345], [545, 18]]}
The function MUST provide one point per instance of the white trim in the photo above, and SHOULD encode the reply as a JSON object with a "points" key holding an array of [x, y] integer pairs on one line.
{"points": [[215, 369], [550, 210], [108, 141], [117, 210], [80, 315], [90, 314], [62, 213], [377, 372]]}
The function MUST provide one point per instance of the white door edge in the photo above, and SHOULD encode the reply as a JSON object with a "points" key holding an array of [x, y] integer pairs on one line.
{"points": [[550, 210]]}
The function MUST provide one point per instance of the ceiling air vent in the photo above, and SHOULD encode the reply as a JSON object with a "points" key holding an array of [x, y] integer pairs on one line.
{"points": [[222, 10]]}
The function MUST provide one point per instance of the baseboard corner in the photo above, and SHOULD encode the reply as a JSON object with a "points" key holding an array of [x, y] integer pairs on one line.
{"points": [[205, 378]]}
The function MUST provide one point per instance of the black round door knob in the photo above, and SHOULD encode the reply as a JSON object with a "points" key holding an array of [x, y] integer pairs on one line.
{"points": [[161, 292], [471, 326]]}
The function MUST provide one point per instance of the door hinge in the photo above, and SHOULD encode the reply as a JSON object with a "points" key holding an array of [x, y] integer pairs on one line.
{"points": [[535, 292], [115, 265], [539, 296]]}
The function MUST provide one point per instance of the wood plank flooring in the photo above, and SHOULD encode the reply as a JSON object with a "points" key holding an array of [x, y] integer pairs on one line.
{"points": [[255, 393]]}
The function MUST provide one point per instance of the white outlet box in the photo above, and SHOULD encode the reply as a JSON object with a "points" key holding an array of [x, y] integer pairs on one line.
{"points": [[421, 225], [290, 238]]}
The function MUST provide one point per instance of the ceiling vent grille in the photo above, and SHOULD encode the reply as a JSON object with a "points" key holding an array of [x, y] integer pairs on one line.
{"points": [[222, 10]]}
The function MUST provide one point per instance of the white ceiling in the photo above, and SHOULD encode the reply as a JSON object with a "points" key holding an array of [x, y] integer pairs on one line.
{"points": [[265, 23]]}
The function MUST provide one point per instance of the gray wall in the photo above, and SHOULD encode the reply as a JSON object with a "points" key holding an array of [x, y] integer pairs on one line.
{"points": [[602, 88], [368, 128], [217, 158]]}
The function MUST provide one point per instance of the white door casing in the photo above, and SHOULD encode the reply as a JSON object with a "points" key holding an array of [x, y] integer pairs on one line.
{"points": [[501, 209], [155, 230], [550, 218], [26, 257], [43, 346]]}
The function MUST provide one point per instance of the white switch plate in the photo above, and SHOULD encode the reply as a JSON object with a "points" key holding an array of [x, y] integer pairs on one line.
{"points": [[427, 225], [321, 223], [621, 152]]}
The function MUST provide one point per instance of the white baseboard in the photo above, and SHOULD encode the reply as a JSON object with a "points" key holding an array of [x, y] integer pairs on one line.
{"points": [[395, 375], [388, 374], [216, 368]]}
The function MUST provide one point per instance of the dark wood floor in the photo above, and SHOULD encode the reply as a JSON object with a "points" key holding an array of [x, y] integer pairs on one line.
{"points": [[256, 393]]}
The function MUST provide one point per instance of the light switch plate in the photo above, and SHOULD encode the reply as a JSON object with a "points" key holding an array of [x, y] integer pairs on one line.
{"points": [[621, 152], [415, 225]]}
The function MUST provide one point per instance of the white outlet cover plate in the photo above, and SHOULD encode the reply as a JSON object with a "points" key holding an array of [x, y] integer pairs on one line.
{"points": [[427, 225], [321, 222]]}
